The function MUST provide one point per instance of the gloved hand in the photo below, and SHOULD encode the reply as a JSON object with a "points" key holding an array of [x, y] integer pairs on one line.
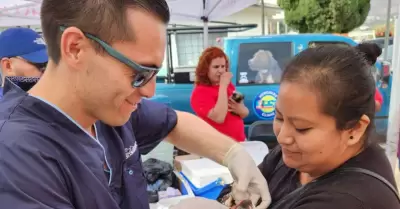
{"points": [[249, 183], [198, 203]]}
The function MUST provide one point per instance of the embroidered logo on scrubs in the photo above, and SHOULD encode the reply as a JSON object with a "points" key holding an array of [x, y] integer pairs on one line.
{"points": [[130, 150]]}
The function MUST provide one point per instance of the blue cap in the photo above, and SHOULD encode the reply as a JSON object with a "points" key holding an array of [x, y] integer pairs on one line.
{"points": [[25, 43]]}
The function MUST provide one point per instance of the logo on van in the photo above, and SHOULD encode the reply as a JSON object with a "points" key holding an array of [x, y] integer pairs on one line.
{"points": [[264, 104]]}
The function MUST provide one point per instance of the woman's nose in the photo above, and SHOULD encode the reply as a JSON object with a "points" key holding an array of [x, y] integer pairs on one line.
{"points": [[284, 136]]}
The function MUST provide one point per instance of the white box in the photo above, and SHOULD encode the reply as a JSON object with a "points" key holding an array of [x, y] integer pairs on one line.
{"points": [[202, 172]]}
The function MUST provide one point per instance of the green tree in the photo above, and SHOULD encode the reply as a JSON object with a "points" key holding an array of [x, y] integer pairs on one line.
{"points": [[325, 16]]}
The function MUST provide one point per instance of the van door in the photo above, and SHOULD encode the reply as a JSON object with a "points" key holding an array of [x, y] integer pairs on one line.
{"points": [[258, 73]]}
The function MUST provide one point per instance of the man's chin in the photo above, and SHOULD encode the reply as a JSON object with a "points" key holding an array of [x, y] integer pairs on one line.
{"points": [[117, 121]]}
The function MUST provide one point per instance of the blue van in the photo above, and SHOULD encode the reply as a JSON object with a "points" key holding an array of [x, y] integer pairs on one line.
{"points": [[246, 54]]}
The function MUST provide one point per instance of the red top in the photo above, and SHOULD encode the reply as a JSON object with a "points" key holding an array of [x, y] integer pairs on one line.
{"points": [[378, 96], [204, 98]]}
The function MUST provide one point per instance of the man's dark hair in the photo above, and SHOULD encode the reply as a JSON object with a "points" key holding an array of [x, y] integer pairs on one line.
{"points": [[371, 51], [105, 19], [341, 78]]}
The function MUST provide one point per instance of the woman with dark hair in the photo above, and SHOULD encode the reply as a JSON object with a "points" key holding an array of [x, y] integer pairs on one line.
{"points": [[326, 158], [371, 52], [212, 98], [324, 116]]}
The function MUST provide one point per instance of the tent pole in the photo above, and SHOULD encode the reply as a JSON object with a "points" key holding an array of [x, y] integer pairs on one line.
{"points": [[262, 17], [392, 136], [387, 33], [205, 26], [205, 34]]}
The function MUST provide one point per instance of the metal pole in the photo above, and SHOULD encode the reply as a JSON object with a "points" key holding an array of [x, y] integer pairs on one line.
{"points": [[392, 139], [385, 53], [169, 68], [262, 17], [205, 22]]}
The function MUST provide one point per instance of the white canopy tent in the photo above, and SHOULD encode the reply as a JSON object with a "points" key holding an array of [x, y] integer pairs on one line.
{"points": [[19, 12], [26, 12], [206, 10]]}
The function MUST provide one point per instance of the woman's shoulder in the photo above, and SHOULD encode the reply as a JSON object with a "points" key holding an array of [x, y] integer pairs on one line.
{"points": [[349, 191], [203, 89], [342, 190], [360, 188]]}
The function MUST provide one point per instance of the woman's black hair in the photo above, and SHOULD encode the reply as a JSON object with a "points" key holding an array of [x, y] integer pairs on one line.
{"points": [[342, 79], [371, 51]]}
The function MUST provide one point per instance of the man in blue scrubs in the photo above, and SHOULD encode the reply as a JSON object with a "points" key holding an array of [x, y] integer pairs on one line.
{"points": [[74, 139], [22, 53]]}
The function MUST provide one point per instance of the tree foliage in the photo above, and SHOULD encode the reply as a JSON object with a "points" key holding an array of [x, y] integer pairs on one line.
{"points": [[325, 16]]}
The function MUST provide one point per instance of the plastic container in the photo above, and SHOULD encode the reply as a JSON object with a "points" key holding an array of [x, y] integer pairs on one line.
{"points": [[211, 191], [207, 179], [202, 172]]}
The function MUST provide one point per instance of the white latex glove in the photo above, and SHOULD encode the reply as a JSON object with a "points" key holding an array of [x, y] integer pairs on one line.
{"points": [[249, 183], [198, 203]]}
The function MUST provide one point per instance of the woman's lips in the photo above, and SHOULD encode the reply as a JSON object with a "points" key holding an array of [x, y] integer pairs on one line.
{"points": [[289, 151]]}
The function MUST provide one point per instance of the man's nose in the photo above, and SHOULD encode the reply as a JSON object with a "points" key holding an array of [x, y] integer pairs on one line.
{"points": [[148, 90]]}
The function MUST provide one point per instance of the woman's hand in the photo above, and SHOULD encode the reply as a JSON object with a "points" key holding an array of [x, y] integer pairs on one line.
{"points": [[237, 108], [377, 106]]}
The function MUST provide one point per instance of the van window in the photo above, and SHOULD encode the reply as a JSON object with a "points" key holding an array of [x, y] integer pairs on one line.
{"points": [[262, 63], [313, 44]]}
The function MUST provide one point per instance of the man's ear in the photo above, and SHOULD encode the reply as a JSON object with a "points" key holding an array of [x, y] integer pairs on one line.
{"points": [[5, 64]]}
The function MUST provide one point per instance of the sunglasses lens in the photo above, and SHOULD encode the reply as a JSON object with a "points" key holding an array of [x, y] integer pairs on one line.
{"points": [[40, 66], [143, 77]]}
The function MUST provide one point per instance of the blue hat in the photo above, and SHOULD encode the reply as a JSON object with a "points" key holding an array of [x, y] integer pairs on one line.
{"points": [[23, 42]]}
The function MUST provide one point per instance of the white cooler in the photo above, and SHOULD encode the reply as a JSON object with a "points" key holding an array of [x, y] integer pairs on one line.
{"points": [[202, 172]]}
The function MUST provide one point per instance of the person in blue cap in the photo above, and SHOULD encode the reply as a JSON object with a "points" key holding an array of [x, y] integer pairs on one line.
{"points": [[74, 139], [23, 53]]}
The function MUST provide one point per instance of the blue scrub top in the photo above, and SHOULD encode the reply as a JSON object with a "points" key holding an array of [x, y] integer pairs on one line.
{"points": [[48, 161]]}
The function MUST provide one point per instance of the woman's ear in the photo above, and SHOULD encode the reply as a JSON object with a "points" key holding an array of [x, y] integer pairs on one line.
{"points": [[356, 133]]}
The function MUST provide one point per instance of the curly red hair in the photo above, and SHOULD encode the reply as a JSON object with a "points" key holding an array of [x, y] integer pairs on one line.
{"points": [[205, 60]]}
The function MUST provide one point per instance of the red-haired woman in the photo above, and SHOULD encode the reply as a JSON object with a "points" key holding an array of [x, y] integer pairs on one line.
{"points": [[212, 99]]}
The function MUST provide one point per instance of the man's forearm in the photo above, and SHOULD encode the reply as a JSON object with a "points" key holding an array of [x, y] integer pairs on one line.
{"points": [[193, 135]]}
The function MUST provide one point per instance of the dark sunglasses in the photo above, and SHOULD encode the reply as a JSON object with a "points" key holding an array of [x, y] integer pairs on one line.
{"points": [[143, 74], [40, 66]]}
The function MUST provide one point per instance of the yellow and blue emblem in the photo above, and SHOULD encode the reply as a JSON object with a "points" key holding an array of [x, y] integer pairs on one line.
{"points": [[264, 105]]}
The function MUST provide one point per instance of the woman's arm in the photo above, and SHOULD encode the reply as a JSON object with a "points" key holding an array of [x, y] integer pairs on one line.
{"points": [[206, 103], [218, 113], [378, 100]]}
